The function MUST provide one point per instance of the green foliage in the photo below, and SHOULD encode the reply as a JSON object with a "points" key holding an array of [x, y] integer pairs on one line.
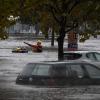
{"points": [[7, 8], [84, 37], [52, 13], [3, 35], [61, 15], [88, 13]]}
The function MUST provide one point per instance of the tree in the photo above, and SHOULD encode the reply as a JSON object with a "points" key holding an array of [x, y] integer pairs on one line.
{"points": [[68, 14], [59, 11], [62, 15], [6, 10]]}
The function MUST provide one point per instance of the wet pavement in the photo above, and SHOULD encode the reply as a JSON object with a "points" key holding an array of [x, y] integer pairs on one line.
{"points": [[12, 63]]}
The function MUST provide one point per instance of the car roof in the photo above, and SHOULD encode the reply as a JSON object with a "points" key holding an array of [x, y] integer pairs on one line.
{"points": [[60, 62], [81, 51]]}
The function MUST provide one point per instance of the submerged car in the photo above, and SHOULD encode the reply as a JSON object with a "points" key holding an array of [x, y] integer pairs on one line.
{"points": [[54, 73], [82, 55]]}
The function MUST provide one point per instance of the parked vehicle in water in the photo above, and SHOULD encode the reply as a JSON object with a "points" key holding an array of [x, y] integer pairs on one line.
{"points": [[82, 55], [55, 73]]}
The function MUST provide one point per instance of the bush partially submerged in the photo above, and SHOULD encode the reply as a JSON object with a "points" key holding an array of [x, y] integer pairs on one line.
{"points": [[3, 36]]}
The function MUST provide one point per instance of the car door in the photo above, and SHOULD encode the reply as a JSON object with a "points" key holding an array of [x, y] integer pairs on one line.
{"points": [[59, 74], [94, 74], [40, 74], [78, 75]]}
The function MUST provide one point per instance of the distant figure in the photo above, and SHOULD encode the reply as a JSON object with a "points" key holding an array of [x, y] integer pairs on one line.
{"points": [[37, 47]]}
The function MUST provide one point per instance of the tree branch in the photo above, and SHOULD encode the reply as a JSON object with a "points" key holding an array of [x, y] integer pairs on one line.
{"points": [[69, 29], [53, 14], [67, 5], [58, 9], [74, 26], [53, 11], [73, 6]]}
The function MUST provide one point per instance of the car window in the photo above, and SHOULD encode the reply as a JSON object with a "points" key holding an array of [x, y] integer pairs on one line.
{"points": [[97, 56], [72, 56], [59, 71], [91, 56], [28, 69], [93, 71], [77, 70], [41, 70]]}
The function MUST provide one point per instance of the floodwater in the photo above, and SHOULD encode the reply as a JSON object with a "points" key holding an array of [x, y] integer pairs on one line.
{"points": [[12, 63]]}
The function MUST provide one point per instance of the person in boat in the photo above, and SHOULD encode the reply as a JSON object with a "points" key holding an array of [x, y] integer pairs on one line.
{"points": [[37, 47]]}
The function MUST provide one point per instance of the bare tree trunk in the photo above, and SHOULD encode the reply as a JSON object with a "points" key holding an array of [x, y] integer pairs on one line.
{"points": [[52, 38], [61, 42], [37, 28]]}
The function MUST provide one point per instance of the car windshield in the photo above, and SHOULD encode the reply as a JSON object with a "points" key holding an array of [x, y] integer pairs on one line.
{"points": [[28, 69]]}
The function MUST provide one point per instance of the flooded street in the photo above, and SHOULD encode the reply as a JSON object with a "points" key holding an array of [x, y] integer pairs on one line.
{"points": [[12, 63]]}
